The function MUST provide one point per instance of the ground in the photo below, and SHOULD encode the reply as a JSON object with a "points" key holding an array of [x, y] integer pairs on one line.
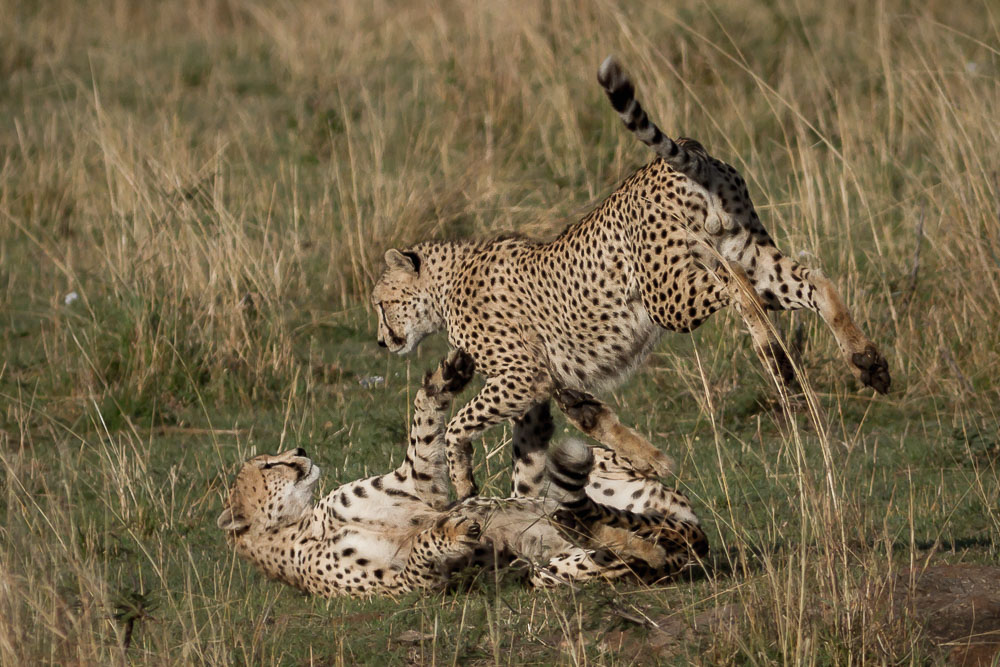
{"points": [[195, 199]]}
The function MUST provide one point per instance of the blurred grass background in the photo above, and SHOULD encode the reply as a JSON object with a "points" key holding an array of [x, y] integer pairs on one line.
{"points": [[215, 182]]}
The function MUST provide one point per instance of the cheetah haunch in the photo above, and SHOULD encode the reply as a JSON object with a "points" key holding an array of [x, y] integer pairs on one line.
{"points": [[677, 241], [592, 517]]}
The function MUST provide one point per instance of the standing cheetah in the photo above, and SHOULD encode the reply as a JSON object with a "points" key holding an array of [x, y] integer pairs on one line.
{"points": [[593, 516], [677, 241]]}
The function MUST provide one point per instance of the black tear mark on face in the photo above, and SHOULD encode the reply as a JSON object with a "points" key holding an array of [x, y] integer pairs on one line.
{"points": [[396, 340]]}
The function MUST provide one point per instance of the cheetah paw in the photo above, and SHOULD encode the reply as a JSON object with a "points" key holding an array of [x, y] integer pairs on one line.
{"points": [[652, 555], [781, 365], [581, 408], [456, 371], [461, 529], [873, 369], [449, 378]]}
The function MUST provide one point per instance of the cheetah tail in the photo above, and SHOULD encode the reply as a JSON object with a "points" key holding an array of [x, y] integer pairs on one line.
{"points": [[621, 93], [568, 465]]}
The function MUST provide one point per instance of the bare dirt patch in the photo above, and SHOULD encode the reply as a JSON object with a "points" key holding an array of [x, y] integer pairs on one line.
{"points": [[958, 608]]}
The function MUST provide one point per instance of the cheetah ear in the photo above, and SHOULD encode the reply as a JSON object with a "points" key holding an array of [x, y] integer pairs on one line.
{"points": [[406, 260], [231, 522]]}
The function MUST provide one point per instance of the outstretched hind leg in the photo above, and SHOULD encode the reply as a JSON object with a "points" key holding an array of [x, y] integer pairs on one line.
{"points": [[785, 284]]}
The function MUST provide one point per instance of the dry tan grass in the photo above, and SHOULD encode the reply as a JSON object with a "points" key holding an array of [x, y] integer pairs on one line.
{"points": [[218, 181]]}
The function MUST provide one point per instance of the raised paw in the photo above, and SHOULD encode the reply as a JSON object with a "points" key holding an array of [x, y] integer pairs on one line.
{"points": [[456, 371], [598, 421], [450, 376], [580, 407], [458, 528], [873, 369]]}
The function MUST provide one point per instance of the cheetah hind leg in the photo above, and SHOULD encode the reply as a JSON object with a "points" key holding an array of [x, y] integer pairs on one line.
{"points": [[531, 436], [867, 363], [598, 421]]}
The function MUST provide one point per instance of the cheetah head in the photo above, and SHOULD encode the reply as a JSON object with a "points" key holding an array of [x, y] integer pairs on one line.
{"points": [[402, 299], [270, 492]]}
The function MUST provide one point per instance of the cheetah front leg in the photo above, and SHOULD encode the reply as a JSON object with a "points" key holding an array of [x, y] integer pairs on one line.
{"points": [[787, 285], [598, 421], [453, 536], [422, 477], [503, 397]]}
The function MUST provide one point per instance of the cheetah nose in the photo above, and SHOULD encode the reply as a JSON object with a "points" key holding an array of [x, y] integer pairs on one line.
{"points": [[299, 451], [381, 343]]}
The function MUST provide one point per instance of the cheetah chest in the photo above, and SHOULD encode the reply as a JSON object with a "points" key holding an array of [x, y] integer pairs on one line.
{"points": [[597, 354]]}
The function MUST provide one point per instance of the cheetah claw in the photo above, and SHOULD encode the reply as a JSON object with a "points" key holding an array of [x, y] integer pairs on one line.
{"points": [[873, 369]]}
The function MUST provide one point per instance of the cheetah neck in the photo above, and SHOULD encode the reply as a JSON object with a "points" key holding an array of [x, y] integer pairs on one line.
{"points": [[442, 260]]}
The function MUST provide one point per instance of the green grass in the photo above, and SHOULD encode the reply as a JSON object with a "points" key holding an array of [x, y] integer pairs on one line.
{"points": [[218, 181]]}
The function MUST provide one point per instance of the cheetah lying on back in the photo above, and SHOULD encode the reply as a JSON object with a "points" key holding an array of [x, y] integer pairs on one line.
{"points": [[391, 534], [677, 241]]}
